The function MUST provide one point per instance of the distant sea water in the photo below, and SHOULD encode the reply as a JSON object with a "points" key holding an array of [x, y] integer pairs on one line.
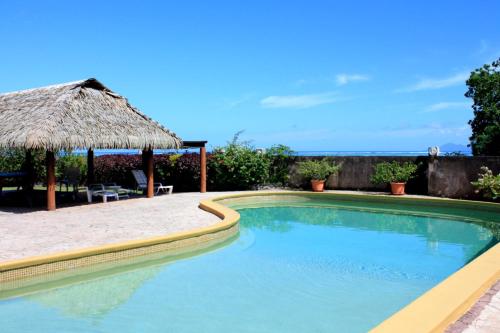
{"points": [[100, 152]]}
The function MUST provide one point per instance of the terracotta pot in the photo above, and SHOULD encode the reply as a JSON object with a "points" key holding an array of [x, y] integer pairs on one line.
{"points": [[398, 188], [317, 185]]}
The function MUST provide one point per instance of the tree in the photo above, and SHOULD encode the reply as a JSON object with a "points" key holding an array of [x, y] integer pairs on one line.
{"points": [[484, 89]]}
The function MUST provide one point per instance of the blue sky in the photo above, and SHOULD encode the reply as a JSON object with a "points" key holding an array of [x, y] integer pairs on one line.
{"points": [[315, 75]]}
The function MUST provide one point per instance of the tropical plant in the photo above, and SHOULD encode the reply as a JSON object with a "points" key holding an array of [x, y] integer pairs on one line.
{"points": [[488, 184], [318, 170], [484, 89], [11, 159], [68, 160], [279, 157], [237, 166], [184, 172], [393, 172], [14, 159], [116, 168]]}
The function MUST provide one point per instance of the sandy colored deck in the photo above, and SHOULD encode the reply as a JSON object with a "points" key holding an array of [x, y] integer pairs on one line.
{"points": [[32, 233]]}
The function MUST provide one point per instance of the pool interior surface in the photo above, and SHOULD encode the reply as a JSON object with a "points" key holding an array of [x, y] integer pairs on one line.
{"points": [[341, 266]]}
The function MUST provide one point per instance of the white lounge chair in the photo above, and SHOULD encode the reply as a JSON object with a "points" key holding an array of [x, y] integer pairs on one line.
{"points": [[122, 192], [142, 183], [98, 190]]}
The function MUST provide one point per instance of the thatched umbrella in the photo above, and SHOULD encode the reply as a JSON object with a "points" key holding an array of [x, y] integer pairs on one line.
{"points": [[81, 114]]}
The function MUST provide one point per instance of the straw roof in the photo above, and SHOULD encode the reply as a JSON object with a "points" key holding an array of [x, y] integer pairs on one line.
{"points": [[81, 114]]}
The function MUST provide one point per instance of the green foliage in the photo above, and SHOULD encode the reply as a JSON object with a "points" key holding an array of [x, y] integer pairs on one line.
{"points": [[318, 170], [11, 159], [488, 184], [66, 161], [15, 160], [165, 166], [237, 166], [279, 157], [484, 89], [393, 172]]}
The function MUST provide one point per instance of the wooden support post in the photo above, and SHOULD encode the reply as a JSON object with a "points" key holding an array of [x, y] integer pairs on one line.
{"points": [[90, 166], [29, 179], [51, 180], [148, 159], [203, 169]]}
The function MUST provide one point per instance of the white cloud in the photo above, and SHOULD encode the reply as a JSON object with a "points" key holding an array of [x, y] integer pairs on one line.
{"points": [[447, 105], [298, 101], [343, 79], [431, 84]]}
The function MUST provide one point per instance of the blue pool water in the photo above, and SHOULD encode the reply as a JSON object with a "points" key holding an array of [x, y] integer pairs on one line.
{"points": [[290, 270]]}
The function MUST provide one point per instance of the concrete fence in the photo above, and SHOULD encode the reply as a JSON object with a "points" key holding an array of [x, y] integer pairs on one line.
{"points": [[446, 176]]}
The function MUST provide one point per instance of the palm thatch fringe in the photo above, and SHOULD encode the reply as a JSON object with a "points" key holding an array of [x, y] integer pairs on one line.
{"points": [[81, 114]]}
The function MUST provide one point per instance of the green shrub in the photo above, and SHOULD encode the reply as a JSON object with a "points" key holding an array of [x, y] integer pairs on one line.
{"points": [[318, 170], [488, 184], [15, 160], [279, 159], [11, 159], [393, 172], [67, 160], [237, 166]]}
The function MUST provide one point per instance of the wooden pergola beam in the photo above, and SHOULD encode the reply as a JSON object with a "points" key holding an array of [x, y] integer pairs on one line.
{"points": [[147, 157], [203, 169], [90, 166], [203, 161], [50, 160]]}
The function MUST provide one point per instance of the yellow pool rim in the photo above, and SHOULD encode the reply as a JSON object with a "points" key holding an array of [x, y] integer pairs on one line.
{"points": [[434, 311]]}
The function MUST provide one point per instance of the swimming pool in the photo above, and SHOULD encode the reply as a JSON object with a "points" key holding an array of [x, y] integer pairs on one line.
{"points": [[299, 264]]}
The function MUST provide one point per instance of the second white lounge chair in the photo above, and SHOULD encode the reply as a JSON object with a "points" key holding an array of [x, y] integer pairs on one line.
{"points": [[142, 183]]}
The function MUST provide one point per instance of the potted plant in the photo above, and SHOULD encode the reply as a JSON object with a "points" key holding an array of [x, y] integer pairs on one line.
{"points": [[397, 174], [317, 172]]}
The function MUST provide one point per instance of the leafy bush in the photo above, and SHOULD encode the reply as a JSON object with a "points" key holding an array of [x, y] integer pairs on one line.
{"points": [[71, 161], [318, 170], [163, 166], [15, 160], [488, 184], [279, 159], [237, 166], [182, 171], [117, 169], [393, 172], [11, 159]]}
